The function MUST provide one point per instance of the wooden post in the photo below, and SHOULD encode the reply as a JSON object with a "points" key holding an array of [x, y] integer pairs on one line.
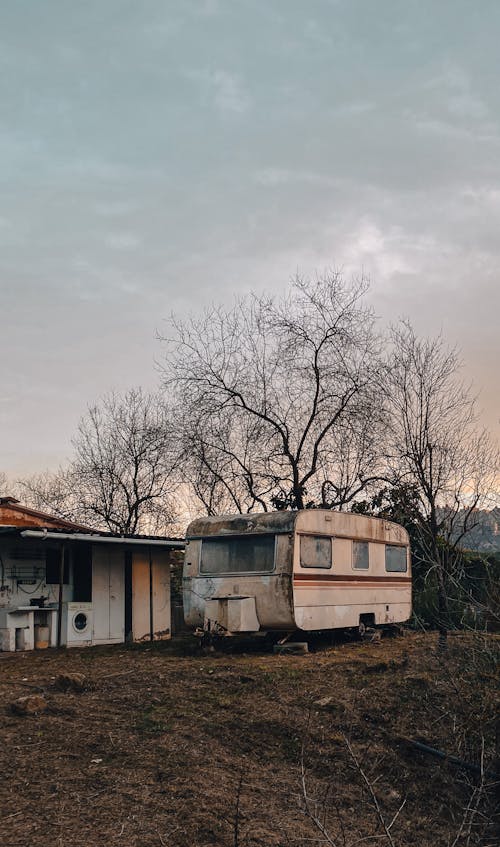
{"points": [[60, 599], [151, 627]]}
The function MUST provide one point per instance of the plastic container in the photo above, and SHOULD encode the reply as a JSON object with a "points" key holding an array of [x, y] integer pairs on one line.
{"points": [[42, 635]]}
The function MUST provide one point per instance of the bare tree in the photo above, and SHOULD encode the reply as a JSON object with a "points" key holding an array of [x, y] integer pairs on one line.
{"points": [[55, 492], [436, 447], [3, 484], [276, 397], [122, 474]]}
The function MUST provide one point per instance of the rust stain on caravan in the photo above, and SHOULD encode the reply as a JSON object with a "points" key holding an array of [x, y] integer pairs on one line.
{"points": [[265, 522]]}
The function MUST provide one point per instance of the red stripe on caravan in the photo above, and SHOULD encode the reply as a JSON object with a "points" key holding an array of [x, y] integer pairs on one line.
{"points": [[390, 586], [348, 580]]}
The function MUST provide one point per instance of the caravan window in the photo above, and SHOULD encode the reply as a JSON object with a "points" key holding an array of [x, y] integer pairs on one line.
{"points": [[237, 554], [315, 551], [395, 559], [360, 560]]}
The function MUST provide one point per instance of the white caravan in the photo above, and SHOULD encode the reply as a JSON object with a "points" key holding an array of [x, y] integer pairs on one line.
{"points": [[307, 570]]}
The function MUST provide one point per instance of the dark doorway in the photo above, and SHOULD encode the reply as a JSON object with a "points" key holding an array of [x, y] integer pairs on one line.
{"points": [[82, 572], [53, 565]]}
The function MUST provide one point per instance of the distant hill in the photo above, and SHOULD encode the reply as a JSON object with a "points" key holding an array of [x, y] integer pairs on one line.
{"points": [[485, 536]]}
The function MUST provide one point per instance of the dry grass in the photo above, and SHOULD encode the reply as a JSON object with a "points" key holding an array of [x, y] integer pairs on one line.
{"points": [[164, 748]]}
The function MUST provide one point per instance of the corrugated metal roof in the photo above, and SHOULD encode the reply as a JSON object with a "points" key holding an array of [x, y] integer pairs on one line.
{"points": [[91, 536], [104, 537]]}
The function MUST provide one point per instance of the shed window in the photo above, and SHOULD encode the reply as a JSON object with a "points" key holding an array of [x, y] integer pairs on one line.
{"points": [[315, 551], [395, 559], [360, 559]]}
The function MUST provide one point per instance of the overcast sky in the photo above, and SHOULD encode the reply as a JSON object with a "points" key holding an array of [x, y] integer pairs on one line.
{"points": [[158, 155]]}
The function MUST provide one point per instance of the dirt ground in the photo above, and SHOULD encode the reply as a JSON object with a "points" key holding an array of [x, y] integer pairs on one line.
{"points": [[168, 746]]}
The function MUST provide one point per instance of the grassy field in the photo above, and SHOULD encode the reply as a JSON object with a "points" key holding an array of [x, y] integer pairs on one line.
{"points": [[168, 746]]}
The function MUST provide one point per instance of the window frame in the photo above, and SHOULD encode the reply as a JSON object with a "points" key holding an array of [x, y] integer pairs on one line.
{"points": [[396, 547], [223, 574], [329, 538], [360, 541]]}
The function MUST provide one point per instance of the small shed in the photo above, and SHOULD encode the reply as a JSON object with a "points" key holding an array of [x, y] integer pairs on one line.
{"points": [[63, 583]]}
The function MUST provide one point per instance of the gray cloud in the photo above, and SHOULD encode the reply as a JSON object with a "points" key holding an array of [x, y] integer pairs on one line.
{"points": [[158, 156]]}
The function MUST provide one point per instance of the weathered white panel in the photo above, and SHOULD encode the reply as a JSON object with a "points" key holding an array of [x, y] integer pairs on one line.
{"points": [[116, 595], [342, 555], [234, 614], [339, 616], [350, 525], [108, 594], [161, 594]]}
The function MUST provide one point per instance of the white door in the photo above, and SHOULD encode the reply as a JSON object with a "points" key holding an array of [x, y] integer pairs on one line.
{"points": [[108, 594]]}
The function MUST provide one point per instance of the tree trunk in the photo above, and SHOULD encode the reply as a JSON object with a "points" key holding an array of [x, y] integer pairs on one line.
{"points": [[443, 609]]}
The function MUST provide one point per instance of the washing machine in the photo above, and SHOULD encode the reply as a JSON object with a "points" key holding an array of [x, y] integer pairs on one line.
{"points": [[76, 624]]}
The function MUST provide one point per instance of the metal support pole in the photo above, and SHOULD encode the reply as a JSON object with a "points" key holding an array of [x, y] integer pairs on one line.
{"points": [[151, 626], [60, 599]]}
